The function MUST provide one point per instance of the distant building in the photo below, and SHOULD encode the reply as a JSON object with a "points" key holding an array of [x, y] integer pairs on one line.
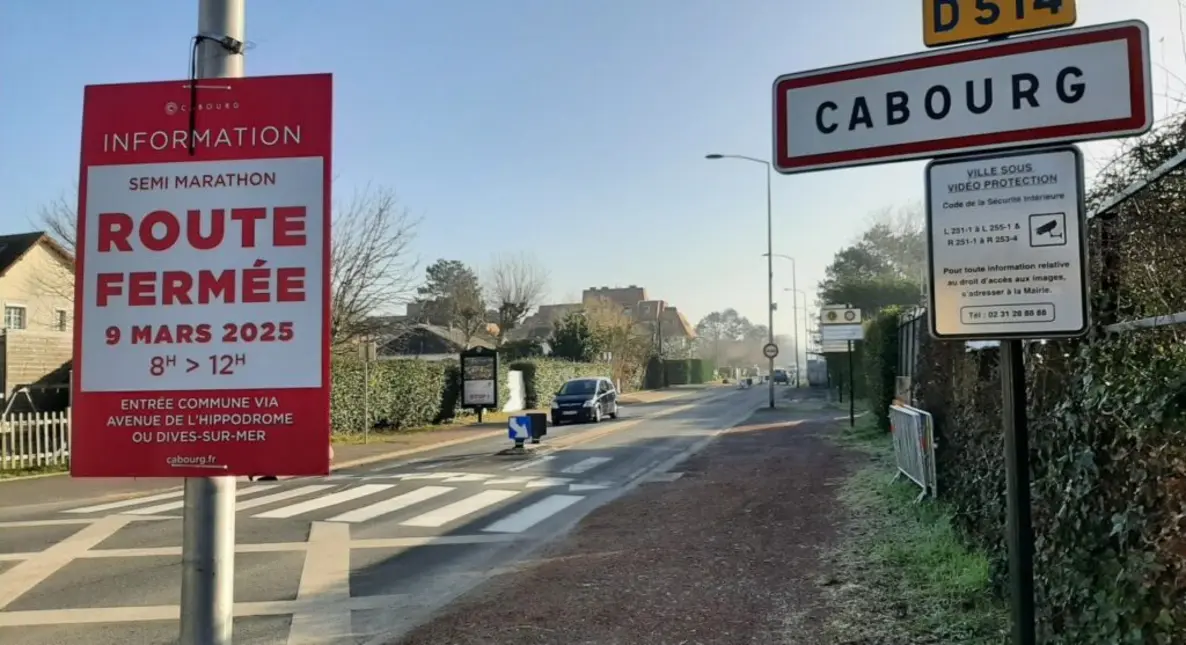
{"points": [[430, 342], [664, 320]]}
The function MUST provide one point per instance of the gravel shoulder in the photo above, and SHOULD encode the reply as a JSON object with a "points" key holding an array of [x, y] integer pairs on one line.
{"points": [[728, 553]]}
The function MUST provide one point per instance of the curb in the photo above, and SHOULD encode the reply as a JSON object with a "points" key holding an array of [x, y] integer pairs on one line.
{"points": [[363, 461]]}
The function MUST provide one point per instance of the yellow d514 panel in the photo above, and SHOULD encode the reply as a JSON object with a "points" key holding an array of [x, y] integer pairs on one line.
{"points": [[946, 22]]}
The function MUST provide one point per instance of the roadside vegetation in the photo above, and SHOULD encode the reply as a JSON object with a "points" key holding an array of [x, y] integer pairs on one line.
{"points": [[902, 573]]}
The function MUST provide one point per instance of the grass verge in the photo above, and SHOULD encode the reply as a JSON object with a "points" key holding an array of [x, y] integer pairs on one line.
{"points": [[904, 573], [34, 471]]}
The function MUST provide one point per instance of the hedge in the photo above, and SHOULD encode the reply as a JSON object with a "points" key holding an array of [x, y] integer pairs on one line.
{"points": [[1106, 418], [543, 376], [881, 363]]}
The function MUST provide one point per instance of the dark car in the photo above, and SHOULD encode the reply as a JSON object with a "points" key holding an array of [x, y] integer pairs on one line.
{"points": [[585, 399], [782, 376]]}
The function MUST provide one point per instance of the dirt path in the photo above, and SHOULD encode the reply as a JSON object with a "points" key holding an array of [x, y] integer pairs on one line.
{"points": [[726, 554]]}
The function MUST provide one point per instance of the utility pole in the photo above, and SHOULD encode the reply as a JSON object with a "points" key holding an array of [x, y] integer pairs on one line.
{"points": [[208, 542], [770, 275]]}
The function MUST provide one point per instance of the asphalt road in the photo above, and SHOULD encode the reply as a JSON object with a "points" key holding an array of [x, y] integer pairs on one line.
{"points": [[358, 556]]}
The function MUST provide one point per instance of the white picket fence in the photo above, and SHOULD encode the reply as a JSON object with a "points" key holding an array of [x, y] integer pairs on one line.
{"points": [[29, 440]]}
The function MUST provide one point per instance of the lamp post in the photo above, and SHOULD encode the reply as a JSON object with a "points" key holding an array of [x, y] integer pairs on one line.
{"points": [[769, 258], [794, 287], [795, 292]]}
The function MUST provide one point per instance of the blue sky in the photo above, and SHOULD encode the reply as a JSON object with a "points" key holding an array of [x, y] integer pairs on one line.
{"points": [[572, 128]]}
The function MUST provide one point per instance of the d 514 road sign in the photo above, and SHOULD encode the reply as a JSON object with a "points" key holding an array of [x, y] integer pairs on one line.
{"points": [[1072, 85], [947, 22], [770, 350], [1005, 237]]}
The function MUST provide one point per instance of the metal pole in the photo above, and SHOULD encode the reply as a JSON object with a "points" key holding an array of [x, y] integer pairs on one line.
{"points": [[770, 273], [852, 397], [366, 394], [208, 537], [795, 313], [1020, 530]]}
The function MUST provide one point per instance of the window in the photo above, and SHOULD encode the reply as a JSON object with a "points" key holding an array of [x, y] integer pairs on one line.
{"points": [[60, 319], [14, 317]]}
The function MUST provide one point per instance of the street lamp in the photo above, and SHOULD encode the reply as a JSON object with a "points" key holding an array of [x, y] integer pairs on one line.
{"points": [[795, 319], [769, 259], [794, 287]]}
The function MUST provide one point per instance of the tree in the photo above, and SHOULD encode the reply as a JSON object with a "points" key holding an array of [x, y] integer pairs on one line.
{"points": [[452, 297], [515, 285], [371, 266], [615, 331], [573, 338], [884, 267], [720, 328]]}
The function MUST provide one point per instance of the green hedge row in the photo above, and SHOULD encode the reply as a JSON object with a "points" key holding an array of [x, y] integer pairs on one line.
{"points": [[543, 376], [880, 349], [406, 393], [677, 371]]}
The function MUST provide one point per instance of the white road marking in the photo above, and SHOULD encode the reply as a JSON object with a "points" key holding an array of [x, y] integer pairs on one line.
{"points": [[534, 462], [471, 477], [545, 482], [111, 506], [173, 506], [43, 617], [585, 465], [391, 505], [517, 479], [457, 510], [527, 517], [280, 497], [322, 502], [415, 476], [576, 488], [22, 577], [325, 577]]}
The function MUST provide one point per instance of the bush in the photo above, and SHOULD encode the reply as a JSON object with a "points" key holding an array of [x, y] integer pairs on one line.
{"points": [[404, 393], [881, 363], [543, 376]]}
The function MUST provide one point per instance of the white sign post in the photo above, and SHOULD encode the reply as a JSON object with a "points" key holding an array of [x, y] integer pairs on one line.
{"points": [[1007, 253]]}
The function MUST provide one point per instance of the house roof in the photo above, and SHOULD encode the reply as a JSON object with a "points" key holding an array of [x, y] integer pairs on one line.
{"points": [[14, 247]]}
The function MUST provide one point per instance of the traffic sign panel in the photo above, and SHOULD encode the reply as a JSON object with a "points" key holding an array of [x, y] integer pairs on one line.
{"points": [[1006, 246], [840, 316], [770, 350], [947, 22], [201, 337], [832, 333], [1073, 85]]}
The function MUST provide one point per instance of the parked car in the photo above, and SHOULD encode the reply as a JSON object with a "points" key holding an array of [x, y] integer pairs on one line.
{"points": [[585, 399], [781, 375]]}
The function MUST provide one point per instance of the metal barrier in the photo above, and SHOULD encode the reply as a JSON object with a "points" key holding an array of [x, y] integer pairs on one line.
{"points": [[914, 447]]}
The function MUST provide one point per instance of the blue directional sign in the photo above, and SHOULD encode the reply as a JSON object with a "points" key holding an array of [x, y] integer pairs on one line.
{"points": [[519, 428]]}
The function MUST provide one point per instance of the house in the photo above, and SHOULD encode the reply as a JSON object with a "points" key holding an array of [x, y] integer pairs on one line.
{"points": [[662, 319], [430, 342], [37, 293]]}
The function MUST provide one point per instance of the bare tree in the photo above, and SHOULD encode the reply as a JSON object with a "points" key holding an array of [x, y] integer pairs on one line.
{"points": [[59, 218], [516, 284], [628, 342], [371, 266]]}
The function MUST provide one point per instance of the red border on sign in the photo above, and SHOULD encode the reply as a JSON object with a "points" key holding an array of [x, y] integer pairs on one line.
{"points": [[307, 100], [1132, 33]]}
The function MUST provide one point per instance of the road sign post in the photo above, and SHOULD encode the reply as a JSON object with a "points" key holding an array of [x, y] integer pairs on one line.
{"points": [[210, 361], [852, 389], [770, 350]]}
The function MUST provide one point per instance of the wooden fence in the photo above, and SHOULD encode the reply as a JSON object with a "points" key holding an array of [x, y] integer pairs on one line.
{"points": [[38, 439]]}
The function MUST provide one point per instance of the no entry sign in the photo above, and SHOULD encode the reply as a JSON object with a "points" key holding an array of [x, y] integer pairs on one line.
{"points": [[201, 337], [1073, 85]]}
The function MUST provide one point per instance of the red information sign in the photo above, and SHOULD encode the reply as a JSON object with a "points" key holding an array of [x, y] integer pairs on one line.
{"points": [[201, 336]]}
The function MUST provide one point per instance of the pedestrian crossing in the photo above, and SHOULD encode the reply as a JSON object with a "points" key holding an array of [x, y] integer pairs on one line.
{"points": [[506, 502]]}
